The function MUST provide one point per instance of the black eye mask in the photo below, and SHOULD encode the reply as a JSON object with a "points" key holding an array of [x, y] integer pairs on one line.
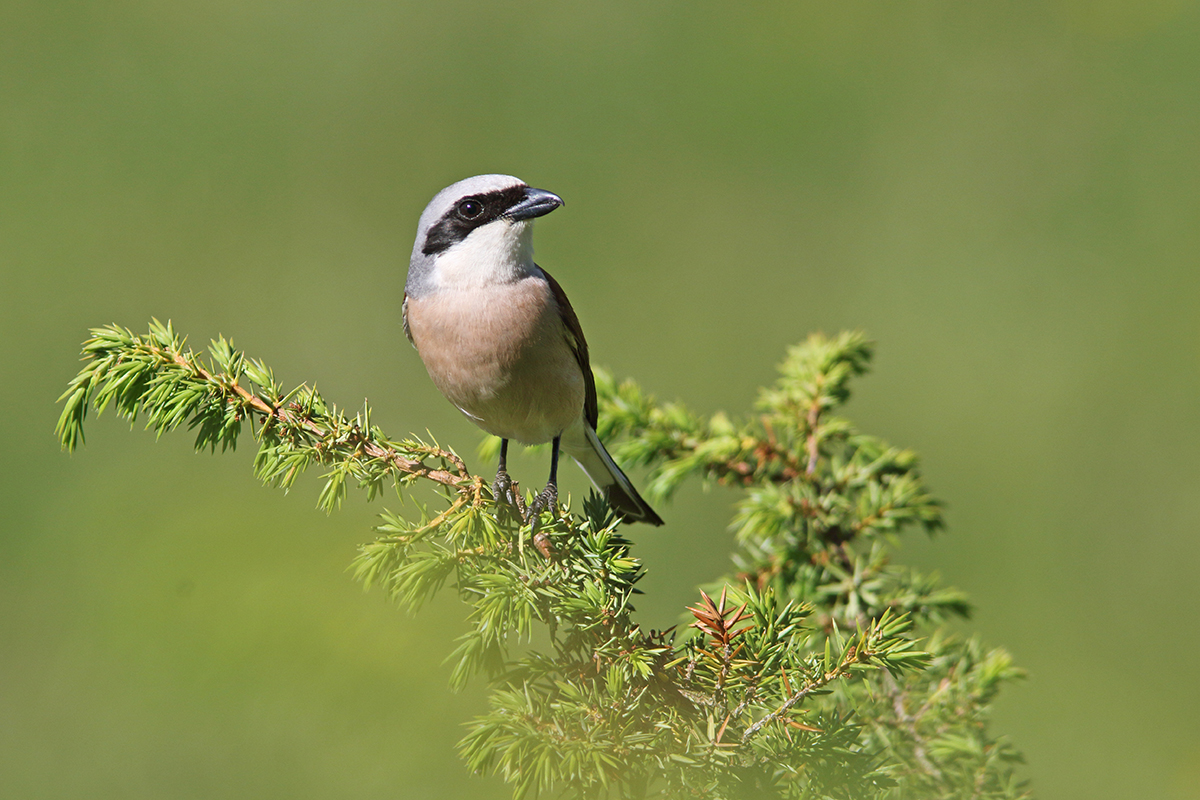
{"points": [[455, 225]]}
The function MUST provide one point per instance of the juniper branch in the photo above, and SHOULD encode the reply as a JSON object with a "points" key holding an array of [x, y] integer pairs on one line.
{"points": [[882, 645], [158, 376]]}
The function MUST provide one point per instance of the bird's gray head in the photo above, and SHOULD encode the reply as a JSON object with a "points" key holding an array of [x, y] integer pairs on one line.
{"points": [[476, 230]]}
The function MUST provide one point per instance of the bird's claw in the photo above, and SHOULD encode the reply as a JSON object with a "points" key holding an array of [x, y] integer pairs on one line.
{"points": [[502, 489], [547, 500]]}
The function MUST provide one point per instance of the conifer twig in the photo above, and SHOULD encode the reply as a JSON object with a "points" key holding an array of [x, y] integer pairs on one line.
{"points": [[157, 376]]}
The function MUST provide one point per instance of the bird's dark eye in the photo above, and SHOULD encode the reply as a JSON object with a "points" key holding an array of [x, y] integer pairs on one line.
{"points": [[470, 209]]}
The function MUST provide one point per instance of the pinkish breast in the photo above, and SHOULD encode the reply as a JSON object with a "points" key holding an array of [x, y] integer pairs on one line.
{"points": [[502, 356]]}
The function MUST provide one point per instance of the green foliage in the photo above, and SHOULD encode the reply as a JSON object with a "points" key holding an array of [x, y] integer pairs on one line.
{"points": [[822, 670], [159, 377]]}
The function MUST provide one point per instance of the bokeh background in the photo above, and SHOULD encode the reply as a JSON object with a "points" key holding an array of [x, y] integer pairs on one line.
{"points": [[1005, 195]]}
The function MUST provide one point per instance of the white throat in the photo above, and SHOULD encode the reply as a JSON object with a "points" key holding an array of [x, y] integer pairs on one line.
{"points": [[499, 252]]}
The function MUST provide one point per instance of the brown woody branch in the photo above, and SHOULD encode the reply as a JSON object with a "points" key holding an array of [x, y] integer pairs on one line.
{"points": [[353, 439]]}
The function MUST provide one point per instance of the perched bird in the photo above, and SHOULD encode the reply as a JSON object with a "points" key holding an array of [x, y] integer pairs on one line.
{"points": [[499, 338]]}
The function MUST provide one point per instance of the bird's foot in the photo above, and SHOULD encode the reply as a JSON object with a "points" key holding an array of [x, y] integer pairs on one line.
{"points": [[503, 490], [547, 500], [507, 494]]}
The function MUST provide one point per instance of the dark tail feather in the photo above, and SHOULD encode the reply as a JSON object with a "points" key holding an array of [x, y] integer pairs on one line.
{"points": [[609, 479]]}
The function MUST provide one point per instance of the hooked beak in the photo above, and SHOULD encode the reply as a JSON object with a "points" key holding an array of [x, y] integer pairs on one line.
{"points": [[536, 203]]}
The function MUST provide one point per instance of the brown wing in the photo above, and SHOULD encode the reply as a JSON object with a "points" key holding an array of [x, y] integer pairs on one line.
{"points": [[578, 346]]}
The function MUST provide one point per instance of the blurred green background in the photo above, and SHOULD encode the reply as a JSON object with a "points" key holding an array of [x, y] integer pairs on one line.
{"points": [[1005, 195]]}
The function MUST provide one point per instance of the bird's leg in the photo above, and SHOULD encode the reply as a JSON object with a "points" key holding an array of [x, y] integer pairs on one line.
{"points": [[502, 489], [547, 499]]}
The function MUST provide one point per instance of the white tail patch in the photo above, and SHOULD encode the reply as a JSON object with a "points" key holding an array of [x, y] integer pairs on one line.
{"points": [[599, 466], [588, 451]]}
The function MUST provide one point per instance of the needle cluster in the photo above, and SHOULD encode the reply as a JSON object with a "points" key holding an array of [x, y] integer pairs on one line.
{"points": [[821, 670]]}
